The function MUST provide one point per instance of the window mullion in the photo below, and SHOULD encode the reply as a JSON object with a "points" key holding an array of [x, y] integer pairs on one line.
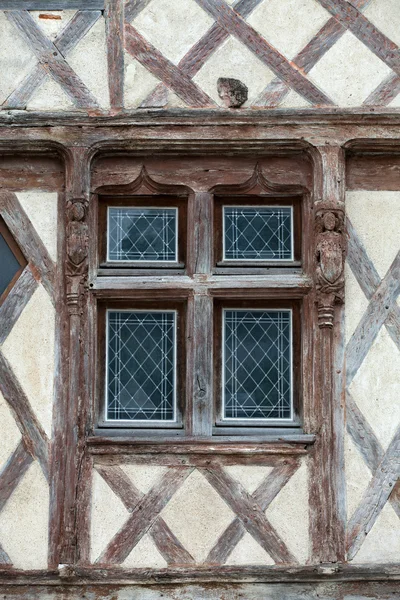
{"points": [[200, 224]]}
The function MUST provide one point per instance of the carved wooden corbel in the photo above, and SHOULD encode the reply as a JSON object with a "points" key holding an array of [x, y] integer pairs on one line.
{"points": [[77, 252], [330, 250]]}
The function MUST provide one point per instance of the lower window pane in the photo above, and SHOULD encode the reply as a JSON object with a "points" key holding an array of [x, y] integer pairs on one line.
{"points": [[257, 364], [141, 365]]}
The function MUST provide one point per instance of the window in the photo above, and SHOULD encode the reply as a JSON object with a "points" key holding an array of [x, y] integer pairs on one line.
{"points": [[12, 261], [178, 335]]}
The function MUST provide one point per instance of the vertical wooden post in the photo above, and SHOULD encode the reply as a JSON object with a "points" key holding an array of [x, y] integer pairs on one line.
{"points": [[327, 474], [69, 423], [114, 14]]}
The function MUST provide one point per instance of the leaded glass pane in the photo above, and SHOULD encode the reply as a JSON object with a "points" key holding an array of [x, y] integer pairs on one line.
{"points": [[9, 265], [257, 364], [141, 366], [142, 234], [258, 233]]}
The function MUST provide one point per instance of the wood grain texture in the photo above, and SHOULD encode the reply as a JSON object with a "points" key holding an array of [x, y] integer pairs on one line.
{"points": [[134, 7], [385, 92], [143, 516], [68, 38], [17, 299], [34, 437], [235, 25], [114, 14], [164, 69], [250, 514], [52, 60], [4, 558], [13, 472], [88, 5], [28, 240]]}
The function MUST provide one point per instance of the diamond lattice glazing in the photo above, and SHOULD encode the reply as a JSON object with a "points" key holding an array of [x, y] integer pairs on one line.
{"points": [[258, 233], [142, 234], [141, 366], [257, 364]]}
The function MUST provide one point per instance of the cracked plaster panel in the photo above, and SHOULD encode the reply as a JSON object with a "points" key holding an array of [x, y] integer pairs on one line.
{"points": [[108, 514], [249, 476], [376, 387], [41, 209], [233, 59], [10, 434], [89, 61], [376, 217], [29, 348], [16, 58], [358, 476], [349, 71], [173, 27], [50, 96], [52, 22], [288, 25], [144, 477], [288, 513], [24, 521]]}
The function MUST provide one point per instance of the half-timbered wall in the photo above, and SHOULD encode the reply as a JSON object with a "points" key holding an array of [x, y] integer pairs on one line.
{"points": [[106, 96]]}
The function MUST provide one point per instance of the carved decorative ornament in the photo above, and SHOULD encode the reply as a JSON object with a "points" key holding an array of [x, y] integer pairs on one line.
{"points": [[330, 250], [77, 251]]}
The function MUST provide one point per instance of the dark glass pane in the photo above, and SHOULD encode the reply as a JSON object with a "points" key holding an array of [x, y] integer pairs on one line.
{"points": [[258, 233], [9, 265], [257, 364], [141, 366], [142, 234]]}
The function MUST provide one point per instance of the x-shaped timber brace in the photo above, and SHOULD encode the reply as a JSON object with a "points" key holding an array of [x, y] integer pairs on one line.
{"points": [[34, 444], [229, 20]]}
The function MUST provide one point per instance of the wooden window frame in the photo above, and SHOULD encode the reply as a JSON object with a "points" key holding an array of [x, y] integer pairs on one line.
{"points": [[15, 249]]}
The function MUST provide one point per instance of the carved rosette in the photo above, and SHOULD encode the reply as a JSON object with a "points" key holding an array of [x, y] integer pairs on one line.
{"points": [[77, 252], [330, 251]]}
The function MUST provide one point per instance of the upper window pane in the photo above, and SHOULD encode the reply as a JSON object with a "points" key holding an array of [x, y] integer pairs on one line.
{"points": [[141, 350], [257, 365], [258, 233], [142, 234], [9, 265]]}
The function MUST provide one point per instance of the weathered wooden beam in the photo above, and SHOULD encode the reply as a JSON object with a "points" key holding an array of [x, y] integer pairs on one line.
{"points": [[114, 14], [51, 4], [143, 516], [34, 437], [13, 472], [164, 69], [17, 299]]}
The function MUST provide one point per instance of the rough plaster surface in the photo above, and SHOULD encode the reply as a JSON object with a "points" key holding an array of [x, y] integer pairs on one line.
{"points": [[173, 27], [197, 515], [10, 434], [294, 100], [145, 556], [358, 475], [376, 387], [382, 544], [16, 58], [233, 59], [89, 61], [249, 476], [385, 14], [24, 521], [41, 208], [288, 513], [288, 24], [50, 96], [144, 477], [355, 303], [349, 71], [51, 27], [108, 514], [376, 218], [29, 348], [139, 82], [249, 552]]}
